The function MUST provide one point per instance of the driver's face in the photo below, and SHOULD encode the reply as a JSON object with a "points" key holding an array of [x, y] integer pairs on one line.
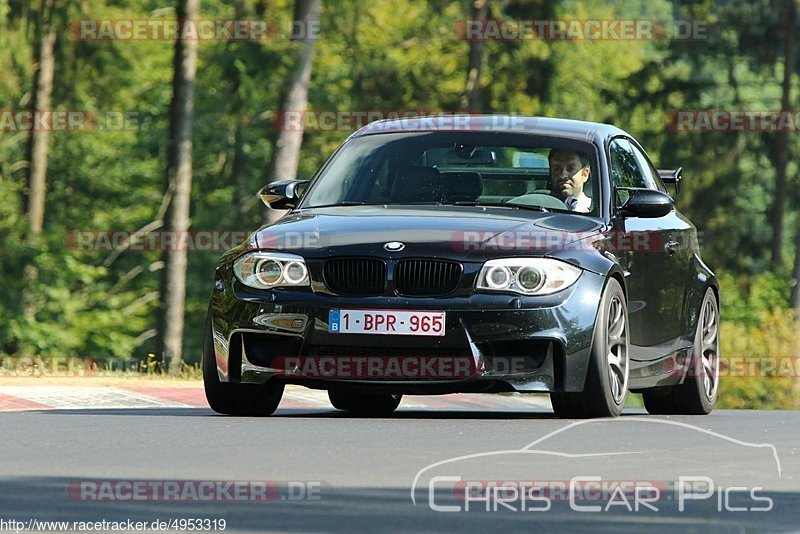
{"points": [[568, 174]]}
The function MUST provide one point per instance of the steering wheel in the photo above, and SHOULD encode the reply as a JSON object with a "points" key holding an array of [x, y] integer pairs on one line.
{"points": [[539, 198]]}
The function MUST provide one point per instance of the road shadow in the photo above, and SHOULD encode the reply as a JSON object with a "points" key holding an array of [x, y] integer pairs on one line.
{"points": [[371, 509], [321, 413]]}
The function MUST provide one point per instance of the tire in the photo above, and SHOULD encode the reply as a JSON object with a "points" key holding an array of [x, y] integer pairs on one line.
{"points": [[257, 400], [607, 374], [697, 394], [371, 404]]}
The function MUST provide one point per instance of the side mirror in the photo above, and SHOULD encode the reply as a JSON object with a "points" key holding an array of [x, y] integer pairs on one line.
{"points": [[283, 195], [646, 203], [672, 176]]}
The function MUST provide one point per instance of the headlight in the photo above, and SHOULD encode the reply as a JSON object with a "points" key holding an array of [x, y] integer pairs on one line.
{"points": [[527, 276], [266, 270]]}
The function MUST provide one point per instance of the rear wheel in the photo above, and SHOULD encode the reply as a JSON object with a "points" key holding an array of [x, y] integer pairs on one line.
{"points": [[365, 403], [698, 392], [236, 399], [607, 375]]}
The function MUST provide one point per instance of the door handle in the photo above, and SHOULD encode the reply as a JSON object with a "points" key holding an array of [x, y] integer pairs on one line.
{"points": [[672, 246]]}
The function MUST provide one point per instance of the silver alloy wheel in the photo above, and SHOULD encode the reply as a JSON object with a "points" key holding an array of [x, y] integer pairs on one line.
{"points": [[709, 355], [617, 350]]}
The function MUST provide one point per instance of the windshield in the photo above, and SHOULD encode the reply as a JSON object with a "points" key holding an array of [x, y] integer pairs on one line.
{"points": [[460, 168]]}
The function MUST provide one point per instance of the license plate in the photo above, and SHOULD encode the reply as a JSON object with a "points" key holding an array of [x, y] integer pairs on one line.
{"points": [[387, 322]]}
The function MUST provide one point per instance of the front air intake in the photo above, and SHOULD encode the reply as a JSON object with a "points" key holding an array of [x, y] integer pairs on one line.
{"points": [[426, 277], [355, 276]]}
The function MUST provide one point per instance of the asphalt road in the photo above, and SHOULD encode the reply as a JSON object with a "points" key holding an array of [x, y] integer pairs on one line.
{"points": [[325, 471]]}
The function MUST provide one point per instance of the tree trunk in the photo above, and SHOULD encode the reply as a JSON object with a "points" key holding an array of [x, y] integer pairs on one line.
{"points": [[472, 97], [37, 150], [286, 152], [782, 139], [179, 173], [238, 170], [237, 109], [37, 170]]}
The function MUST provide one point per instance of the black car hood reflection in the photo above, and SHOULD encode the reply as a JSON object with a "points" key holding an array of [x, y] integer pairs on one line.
{"points": [[464, 233]]}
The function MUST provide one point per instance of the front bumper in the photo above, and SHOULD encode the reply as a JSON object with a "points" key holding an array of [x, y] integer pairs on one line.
{"points": [[510, 342]]}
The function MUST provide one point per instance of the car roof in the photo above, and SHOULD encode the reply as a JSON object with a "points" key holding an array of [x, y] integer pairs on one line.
{"points": [[573, 129]]}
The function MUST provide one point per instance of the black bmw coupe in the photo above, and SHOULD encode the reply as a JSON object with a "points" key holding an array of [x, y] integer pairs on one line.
{"points": [[480, 254]]}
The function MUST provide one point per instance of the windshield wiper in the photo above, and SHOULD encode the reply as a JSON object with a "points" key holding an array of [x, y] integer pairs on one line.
{"points": [[434, 203], [501, 205], [346, 203]]}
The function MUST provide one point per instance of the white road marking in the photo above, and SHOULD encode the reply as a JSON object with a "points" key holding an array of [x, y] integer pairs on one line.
{"points": [[71, 398], [77, 398]]}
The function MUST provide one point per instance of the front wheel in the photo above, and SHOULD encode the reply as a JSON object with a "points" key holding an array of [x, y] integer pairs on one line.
{"points": [[236, 399], [607, 376], [697, 395], [371, 404]]}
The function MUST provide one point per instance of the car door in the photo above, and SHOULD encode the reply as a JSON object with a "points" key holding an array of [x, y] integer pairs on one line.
{"points": [[652, 266], [679, 240]]}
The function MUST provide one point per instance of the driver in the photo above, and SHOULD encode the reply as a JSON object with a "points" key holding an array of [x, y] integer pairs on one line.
{"points": [[569, 171]]}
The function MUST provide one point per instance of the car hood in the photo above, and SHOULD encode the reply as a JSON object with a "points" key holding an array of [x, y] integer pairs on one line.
{"points": [[464, 233]]}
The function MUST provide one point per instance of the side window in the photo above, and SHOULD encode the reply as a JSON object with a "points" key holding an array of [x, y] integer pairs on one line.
{"points": [[625, 169], [650, 174]]}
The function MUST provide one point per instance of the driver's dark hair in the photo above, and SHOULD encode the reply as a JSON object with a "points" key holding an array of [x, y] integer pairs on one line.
{"points": [[581, 155]]}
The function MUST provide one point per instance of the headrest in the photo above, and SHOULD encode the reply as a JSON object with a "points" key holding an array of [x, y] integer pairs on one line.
{"points": [[461, 186], [416, 184]]}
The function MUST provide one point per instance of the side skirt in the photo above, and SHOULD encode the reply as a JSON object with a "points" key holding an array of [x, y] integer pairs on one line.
{"points": [[667, 370]]}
